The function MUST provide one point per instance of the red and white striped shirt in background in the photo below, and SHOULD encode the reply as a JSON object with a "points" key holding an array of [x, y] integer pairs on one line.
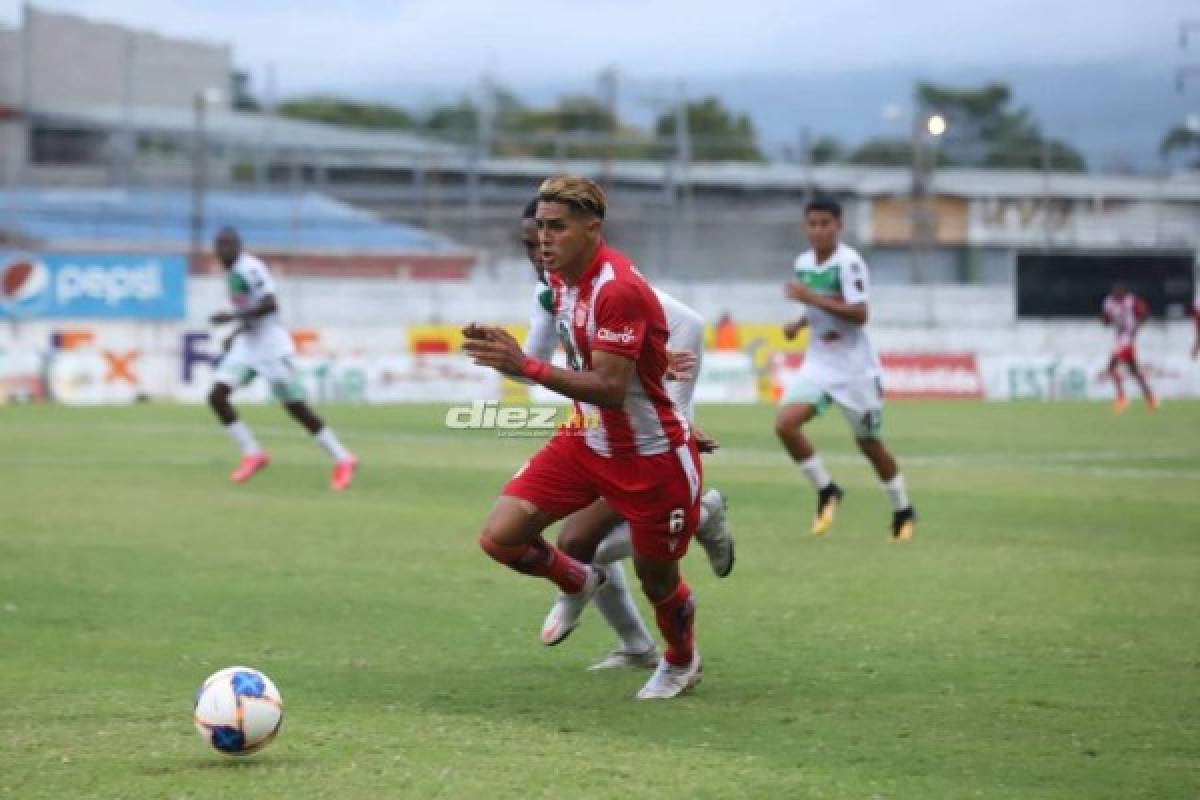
{"points": [[1124, 314]]}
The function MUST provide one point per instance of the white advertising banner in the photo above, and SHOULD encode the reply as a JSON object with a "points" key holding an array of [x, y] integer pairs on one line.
{"points": [[727, 377], [1076, 377], [126, 362], [91, 377], [21, 376]]}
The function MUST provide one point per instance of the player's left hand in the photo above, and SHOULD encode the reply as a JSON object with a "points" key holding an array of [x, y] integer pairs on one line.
{"points": [[680, 364], [221, 318], [704, 443], [794, 290], [494, 347]]}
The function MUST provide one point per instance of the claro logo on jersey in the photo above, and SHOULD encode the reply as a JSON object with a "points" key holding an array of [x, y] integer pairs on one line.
{"points": [[24, 286], [624, 336]]}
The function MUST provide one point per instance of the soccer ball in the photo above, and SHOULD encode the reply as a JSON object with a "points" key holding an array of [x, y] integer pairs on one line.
{"points": [[238, 710]]}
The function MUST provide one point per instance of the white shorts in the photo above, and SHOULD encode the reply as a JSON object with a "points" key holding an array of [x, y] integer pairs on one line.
{"points": [[247, 359], [860, 399]]}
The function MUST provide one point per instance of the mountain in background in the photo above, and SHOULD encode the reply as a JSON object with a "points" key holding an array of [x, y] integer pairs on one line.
{"points": [[1116, 113]]}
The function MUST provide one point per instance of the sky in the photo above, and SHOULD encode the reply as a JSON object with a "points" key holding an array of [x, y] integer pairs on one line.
{"points": [[420, 52], [360, 43]]}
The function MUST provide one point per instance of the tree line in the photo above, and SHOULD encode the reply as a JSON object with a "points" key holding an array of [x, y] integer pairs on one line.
{"points": [[984, 128]]}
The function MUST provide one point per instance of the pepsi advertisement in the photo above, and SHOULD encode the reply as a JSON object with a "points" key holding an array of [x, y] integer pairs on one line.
{"points": [[93, 286]]}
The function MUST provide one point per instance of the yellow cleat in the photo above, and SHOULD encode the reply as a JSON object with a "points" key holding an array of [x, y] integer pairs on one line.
{"points": [[828, 500], [1119, 405], [904, 525]]}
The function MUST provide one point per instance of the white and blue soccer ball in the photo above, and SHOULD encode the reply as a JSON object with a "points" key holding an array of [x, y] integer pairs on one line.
{"points": [[238, 710]]}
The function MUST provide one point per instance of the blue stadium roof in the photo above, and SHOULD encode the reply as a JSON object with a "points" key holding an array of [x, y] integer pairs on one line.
{"points": [[162, 218]]}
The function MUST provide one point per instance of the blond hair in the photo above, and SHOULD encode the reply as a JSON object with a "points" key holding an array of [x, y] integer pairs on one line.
{"points": [[581, 194]]}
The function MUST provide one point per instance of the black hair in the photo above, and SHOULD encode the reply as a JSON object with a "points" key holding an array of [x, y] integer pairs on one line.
{"points": [[530, 210], [826, 204]]}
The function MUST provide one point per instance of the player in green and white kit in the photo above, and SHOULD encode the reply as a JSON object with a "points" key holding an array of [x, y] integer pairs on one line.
{"points": [[840, 367], [260, 345]]}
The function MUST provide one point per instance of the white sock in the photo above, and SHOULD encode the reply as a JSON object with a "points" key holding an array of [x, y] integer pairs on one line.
{"points": [[329, 442], [617, 546], [704, 515], [244, 438], [815, 471], [897, 492], [615, 604]]}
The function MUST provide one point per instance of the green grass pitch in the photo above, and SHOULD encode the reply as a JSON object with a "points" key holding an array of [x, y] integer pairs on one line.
{"points": [[1038, 639]]}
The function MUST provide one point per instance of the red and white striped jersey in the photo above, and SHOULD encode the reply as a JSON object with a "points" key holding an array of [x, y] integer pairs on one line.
{"points": [[613, 309], [1125, 314]]}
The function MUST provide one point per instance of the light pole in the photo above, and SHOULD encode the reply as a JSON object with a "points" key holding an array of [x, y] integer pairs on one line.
{"points": [[924, 127], [200, 103]]}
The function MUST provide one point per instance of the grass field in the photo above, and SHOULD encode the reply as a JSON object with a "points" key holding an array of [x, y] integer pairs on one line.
{"points": [[1038, 639]]}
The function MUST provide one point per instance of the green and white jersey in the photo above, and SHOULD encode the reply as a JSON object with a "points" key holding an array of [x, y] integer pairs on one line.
{"points": [[543, 337], [249, 281], [838, 350]]}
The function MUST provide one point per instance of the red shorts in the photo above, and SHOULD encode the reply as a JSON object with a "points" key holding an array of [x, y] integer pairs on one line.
{"points": [[1125, 353], [659, 495]]}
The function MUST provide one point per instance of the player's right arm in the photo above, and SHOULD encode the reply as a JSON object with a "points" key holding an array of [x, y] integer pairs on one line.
{"points": [[542, 338], [620, 316], [267, 305], [851, 306], [605, 384]]}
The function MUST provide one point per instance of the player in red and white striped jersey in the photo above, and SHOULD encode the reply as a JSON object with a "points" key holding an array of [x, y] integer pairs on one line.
{"points": [[597, 534], [1126, 312], [639, 455]]}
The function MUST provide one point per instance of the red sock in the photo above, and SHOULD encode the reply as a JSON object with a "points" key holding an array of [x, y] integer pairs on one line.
{"points": [[676, 617], [540, 559], [1118, 384]]}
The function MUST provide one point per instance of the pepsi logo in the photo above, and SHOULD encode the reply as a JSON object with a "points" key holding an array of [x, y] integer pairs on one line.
{"points": [[24, 285]]}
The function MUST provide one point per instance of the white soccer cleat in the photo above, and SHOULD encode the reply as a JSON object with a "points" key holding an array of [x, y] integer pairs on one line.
{"points": [[622, 659], [671, 681], [568, 608], [714, 535]]}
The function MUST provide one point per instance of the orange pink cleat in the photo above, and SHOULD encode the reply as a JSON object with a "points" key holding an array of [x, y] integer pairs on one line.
{"points": [[343, 474], [249, 466]]}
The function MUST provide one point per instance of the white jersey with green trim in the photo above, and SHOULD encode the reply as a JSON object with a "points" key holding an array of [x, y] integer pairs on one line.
{"points": [[838, 350], [249, 281]]}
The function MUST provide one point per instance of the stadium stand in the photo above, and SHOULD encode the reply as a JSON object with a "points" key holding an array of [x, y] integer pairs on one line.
{"points": [[161, 218]]}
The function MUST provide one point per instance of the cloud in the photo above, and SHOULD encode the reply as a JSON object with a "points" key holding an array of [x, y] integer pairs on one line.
{"points": [[441, 44]]}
